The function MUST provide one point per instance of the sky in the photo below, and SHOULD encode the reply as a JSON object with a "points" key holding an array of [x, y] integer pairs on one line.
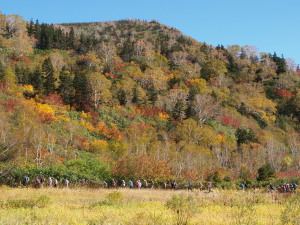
{"points": [[270, 25]]}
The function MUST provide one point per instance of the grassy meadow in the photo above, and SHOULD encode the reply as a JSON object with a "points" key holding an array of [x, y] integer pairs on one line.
{"points": [[124, 206]]}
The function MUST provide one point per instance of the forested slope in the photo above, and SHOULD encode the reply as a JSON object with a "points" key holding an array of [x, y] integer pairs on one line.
{"points": [[138, 99]]}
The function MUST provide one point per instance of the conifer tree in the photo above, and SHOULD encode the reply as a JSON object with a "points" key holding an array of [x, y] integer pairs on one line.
{"points": [[178, 112], [152, 93], [37, 32], [37, 79], [30, 28], [23, 75], [136, 96], [66, 88], [48, 72], [71, 39], [1, 72], [81, 90], [122, 97]]}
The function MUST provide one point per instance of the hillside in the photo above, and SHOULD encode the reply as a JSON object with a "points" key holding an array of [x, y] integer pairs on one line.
{"points": [[137, 99]]}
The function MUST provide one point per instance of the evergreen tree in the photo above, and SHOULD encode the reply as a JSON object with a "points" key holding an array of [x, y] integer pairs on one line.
{"points": [[66, 88], [190, 112], [178, 112], [266, 172], [245, 136], [37, 32], [48, 72], [152, 93], [243, 54], [30, 28], [71, 39], [37, 79], [1, 72], [127, 50], [80, 85], [136, 96], [23, 75], [280, 63], [122, 97]]}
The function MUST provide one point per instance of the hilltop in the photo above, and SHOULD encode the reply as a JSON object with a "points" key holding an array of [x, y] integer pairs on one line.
{"points": [[137, 99]]}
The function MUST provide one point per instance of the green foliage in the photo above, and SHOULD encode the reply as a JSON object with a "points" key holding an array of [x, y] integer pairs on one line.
{"points": [[91, 169], [213, 68], [245, 136], [266, 172]]}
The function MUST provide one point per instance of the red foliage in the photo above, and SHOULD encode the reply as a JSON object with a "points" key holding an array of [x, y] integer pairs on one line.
{"points": [[284, 93], [229, 121], [46, 117], [10, 104], [44, 153], [111, 76], [150, 112], [53, 99], [25, 59], [291, 173], [118, 66]]}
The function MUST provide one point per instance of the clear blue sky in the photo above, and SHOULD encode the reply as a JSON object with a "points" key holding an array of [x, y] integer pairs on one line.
{"points": [[270, 25]]}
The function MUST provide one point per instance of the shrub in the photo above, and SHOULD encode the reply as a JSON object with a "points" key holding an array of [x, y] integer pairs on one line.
{"points": [[183, 207], [266, 172], [115, 197]]}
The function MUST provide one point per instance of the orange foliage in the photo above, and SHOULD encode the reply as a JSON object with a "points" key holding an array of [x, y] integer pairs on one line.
{"points": [[142, 167], [285, 94], [190, 175], [151, 112]]}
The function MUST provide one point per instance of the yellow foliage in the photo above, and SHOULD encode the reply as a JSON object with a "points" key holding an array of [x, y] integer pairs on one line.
{"points": [[63, 118], [221, 138], [44, 108], [287, 161], [46, 112], [99, 146], [200, 84], [85, 116], [163, 115], [28, 88], [89, 126]]}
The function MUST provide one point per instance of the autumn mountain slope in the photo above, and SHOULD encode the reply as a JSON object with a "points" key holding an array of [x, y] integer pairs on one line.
{"points": [[137, 99]]}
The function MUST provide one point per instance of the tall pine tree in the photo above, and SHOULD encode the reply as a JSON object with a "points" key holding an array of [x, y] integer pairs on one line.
{"points": [[48, 72], [81, 91], [66, 88], [37, 80]]}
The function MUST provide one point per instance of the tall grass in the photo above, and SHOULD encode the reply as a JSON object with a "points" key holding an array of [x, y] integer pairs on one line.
{"points": [[146, 206]]}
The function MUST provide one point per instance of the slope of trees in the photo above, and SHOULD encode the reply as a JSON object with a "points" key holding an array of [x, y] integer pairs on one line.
{"points": [[145, 99]]}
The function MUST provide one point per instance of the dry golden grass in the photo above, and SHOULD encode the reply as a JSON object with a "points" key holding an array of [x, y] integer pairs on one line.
{"points": [[99, 206]]}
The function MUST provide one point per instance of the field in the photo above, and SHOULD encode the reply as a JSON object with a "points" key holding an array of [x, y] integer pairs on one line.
{"points": [[124, 206]]}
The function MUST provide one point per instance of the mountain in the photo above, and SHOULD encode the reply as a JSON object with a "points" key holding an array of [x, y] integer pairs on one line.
{"points": [[137, 99]]}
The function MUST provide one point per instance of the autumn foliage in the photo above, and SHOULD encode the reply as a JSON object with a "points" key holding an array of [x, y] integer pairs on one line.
{"points": [[148, 100]]}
